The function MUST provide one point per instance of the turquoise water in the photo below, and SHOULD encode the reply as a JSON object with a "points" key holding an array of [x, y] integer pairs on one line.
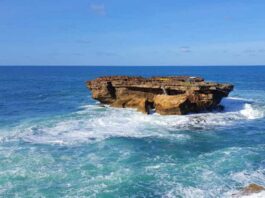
{"points": [[55, 141]]}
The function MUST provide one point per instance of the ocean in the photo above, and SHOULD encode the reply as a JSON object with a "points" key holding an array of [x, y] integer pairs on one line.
{"points": [[56, 141]]}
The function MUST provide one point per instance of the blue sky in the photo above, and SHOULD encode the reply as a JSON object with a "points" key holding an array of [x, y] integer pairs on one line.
{"points": [[132, 32]]}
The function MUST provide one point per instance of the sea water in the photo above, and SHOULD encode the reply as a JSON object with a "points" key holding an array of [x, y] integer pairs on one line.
{"points": [[55, 141]]}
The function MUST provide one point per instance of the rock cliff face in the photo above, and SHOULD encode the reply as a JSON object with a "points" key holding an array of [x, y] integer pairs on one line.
{"points": [[165, 95]]}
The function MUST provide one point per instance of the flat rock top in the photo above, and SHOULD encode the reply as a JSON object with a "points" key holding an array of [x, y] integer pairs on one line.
{"points": [[136, 79], [172, 82]]}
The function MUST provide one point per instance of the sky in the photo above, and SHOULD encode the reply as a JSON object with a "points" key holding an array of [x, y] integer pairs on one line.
{"points": [[132, 32]]}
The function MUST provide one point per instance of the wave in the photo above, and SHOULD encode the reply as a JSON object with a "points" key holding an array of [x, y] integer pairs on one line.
{"points": [[255, 195], [210, 175], [215, 186], [244, 107], [94, 122], [245, 178]]}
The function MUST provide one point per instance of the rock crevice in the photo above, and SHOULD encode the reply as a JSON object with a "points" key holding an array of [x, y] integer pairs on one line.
{"points": [[175, 95]]}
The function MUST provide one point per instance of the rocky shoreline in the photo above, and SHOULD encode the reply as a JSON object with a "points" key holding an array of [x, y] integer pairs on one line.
{"points": [[177, 95]]}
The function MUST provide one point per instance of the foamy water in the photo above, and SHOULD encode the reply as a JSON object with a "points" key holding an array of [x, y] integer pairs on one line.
{"points": [[93, 123], [55, 141]]}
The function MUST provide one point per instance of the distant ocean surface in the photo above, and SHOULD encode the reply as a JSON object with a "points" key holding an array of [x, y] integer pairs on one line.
{"points": [[55, 141]]}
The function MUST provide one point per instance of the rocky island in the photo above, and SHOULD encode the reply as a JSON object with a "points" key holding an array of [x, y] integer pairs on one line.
{"points": [[175, 95]]}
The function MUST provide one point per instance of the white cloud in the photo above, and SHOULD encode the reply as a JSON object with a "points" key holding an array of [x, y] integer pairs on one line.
{"points": [[98, 9], [185, 49]]}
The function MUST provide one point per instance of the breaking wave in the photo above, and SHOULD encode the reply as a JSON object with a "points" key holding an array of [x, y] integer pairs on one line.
{"points": [[211, 178], [94, 122]]}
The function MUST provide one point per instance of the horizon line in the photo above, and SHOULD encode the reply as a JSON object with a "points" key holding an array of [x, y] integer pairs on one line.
{"points": [[132, 65]]}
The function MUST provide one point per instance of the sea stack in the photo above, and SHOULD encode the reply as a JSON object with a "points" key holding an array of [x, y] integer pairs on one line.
{"points": [[176, 95]]}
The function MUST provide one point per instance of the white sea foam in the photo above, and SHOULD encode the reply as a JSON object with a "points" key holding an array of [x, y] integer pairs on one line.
{"points": [[187, 192], [255, 195], [216, 191], [214, 185], [208, 175], [238, 194], [94, 122], [251, 113], [246, 178]]}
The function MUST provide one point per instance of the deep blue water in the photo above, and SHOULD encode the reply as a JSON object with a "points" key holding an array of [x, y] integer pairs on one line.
{"points": [[55, 141]]}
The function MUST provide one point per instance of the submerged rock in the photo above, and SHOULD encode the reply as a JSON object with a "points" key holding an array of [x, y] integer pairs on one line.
{"points": [[249, 190], [252, 188], [176, 95]]}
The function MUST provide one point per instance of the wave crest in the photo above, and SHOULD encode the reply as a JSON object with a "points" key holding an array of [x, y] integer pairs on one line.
{"points": [[93, 122]]}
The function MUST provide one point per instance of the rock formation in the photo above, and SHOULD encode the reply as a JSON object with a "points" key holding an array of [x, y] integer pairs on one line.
{"points": [[176, 95], [252, 188], [249, 190]]}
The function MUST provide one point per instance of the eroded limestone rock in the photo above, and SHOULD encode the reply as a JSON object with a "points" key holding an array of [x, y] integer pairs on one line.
{"points": [[166, 95]]}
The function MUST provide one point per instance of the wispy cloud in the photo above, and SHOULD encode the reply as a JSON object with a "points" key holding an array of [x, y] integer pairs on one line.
{"points": [[228, 18], [77, 54], [185, 49], [249, 51], [254, 51], [103, 53], [98, 9], [83, 41], [61, 54]]}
